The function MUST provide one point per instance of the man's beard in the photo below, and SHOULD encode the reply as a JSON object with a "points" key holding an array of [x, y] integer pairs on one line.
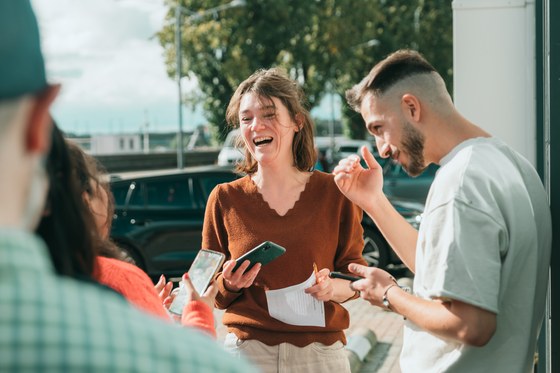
{"points": [[413, 146], [38, 188]]}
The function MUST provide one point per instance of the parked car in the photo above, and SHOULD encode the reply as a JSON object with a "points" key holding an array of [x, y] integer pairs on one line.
{"points": [[377, 251], [398, 184], [159, 216], [347, 147], [230, 154]]}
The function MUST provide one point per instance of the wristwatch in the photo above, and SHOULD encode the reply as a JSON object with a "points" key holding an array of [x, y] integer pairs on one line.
{"points": [[385, 300]]}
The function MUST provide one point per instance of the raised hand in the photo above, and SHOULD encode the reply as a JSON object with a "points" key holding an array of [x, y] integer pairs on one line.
{"points": [[361, 185]]}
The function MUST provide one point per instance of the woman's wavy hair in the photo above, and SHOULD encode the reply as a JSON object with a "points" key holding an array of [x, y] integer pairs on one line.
{"points": [[266, 84], [90, 176]]}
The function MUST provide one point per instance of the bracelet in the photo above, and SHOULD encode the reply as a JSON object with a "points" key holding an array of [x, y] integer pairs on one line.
{"points": [[355, 296], [385, 300]]}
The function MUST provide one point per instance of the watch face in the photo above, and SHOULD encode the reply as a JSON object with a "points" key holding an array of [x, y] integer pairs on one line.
{"points": [[386, 302]]}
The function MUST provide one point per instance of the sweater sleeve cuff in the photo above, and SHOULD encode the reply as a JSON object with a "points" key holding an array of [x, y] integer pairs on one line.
{"points": [[198, 314], [225, 297]]}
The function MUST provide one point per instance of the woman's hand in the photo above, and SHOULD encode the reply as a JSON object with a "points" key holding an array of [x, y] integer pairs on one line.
{"points": [[163, 288], [191, 294], [323, 289], [235, 281]]}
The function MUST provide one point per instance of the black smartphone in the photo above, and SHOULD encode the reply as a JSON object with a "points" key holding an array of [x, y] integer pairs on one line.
{"points": [[265, 253], [344, 276]]}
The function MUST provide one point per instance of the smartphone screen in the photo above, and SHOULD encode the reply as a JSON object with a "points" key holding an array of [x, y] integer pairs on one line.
{"points": [[201, 273], [204, 267]]}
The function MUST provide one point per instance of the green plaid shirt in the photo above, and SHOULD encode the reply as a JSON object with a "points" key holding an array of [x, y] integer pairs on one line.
{"points": [[51, 323]]}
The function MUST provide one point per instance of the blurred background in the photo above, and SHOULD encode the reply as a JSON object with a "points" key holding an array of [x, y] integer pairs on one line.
{"points": [[126, 65]]}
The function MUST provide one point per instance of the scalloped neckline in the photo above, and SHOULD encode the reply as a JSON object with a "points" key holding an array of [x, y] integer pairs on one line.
{"points": [[265, 202]]}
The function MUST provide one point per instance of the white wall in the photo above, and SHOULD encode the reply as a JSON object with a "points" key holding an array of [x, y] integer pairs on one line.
{"points": [[494, 68]]}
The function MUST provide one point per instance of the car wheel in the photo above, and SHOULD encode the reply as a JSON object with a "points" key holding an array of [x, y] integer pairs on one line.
{"points": [[376, 249]]}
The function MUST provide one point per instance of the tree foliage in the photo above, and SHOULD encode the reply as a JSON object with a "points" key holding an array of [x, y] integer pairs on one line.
{"points": [[326, 45]]}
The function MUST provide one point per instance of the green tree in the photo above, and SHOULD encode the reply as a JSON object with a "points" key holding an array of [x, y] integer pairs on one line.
{"points": [[423, 25], [321, 43]]}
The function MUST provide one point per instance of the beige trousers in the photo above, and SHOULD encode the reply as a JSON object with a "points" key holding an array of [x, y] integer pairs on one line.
{"points": [[287, 358]]}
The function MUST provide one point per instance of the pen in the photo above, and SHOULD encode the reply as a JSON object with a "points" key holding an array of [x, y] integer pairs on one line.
{"points": [[316, 272]]}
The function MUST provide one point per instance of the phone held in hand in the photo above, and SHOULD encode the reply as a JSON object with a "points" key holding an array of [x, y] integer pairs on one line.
{"points": [[265, 253], [201, 274]]}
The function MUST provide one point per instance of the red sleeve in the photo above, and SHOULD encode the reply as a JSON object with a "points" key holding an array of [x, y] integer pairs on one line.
{"points": [[133, 283], [199, 315]]}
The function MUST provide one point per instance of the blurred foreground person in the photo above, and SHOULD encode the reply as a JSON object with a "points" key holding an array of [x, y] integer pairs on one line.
{"points": [[50, 322], [482, 253], [75, 226]]}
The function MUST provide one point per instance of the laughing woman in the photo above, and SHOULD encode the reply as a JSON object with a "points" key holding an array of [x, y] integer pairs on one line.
{"points": [[281, 199]]}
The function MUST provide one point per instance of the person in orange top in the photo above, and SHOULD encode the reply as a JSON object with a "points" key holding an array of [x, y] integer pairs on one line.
{"points": [[281, 199], [75, 227]]}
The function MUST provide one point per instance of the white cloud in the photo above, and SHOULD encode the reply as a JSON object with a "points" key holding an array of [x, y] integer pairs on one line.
{"points": [[103, 53], [112, 71]]}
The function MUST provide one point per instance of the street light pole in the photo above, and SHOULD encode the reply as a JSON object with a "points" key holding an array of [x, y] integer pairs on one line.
{"points": [[178, 71], [179, 90]]}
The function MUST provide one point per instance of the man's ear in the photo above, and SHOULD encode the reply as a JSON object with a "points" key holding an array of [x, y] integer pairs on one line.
{"points": [[411, 107], [38, 135]]}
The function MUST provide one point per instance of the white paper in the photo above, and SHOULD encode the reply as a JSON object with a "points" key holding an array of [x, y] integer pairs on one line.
{"points": [[293, 306]]}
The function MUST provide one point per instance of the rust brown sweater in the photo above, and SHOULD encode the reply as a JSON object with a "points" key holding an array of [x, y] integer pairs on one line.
{"points": [[322, 227]]}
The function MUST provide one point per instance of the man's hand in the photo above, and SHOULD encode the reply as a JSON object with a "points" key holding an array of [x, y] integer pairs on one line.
{"points": [[357, 183], [374, 284]]}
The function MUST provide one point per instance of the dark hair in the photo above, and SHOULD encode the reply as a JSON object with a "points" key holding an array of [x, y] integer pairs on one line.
{"points": [[394, 68], [67, 226], [89, 172], [267, 84]]}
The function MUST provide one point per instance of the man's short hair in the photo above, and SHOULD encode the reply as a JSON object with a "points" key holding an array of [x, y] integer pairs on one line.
{"points": [[394, 68], [22, 69]]}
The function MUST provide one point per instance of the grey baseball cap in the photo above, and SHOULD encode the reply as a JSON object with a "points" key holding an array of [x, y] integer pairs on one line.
{"points": [[22, 68]]}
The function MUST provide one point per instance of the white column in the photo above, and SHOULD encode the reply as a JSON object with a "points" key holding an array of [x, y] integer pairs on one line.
{"points": [[494, 68]]}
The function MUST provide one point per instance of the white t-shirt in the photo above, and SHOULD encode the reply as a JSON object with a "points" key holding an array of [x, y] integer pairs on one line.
{"points": [[485, 240]]}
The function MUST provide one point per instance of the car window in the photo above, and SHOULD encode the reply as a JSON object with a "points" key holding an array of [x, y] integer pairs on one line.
{"points": [[168, 193], [396, 170], [136, 198], [431, 170], [348, 149], [209, 182], [119, 193]]}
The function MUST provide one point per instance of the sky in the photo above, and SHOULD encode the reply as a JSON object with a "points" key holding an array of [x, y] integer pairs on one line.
{"points": [[111, 68]]}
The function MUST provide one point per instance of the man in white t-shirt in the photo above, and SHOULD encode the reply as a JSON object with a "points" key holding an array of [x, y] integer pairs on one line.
{"points": [[482, 253]]}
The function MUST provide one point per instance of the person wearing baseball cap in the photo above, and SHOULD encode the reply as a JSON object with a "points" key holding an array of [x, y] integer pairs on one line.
{"points": [[49, 322]]}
